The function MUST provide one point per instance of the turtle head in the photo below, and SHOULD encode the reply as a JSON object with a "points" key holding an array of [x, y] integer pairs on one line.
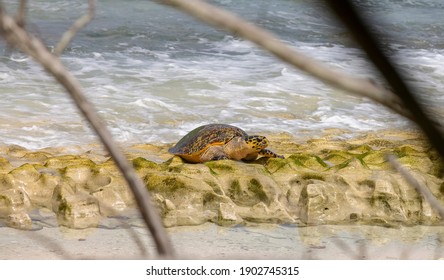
{"points": [[256, 142]]}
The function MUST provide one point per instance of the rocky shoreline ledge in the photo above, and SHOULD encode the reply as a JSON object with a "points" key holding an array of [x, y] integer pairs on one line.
{"points": [[328, 180]]}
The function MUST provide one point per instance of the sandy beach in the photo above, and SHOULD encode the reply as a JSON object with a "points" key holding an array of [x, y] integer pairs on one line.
{"points": [[114, 240]]}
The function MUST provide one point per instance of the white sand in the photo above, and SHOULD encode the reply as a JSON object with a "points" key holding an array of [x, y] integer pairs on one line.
{"points": [[213, 242]]}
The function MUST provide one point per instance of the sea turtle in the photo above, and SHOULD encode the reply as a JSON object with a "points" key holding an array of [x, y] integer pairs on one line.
{"points": [[221, 141]]}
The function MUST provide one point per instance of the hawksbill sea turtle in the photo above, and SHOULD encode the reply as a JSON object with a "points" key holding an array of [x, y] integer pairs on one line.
{"points": [[221, 141]]}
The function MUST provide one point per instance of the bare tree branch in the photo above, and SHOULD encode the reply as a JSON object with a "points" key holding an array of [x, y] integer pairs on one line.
{"points": [[19, 38], [78, 24], [346, 11], [423, 190], [221, 18]]}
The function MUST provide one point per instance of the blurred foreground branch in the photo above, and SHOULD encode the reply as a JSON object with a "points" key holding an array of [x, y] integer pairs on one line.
{"points": [[350, 16], [221, 18], [18, 37], [346, 11], [402, 101]]}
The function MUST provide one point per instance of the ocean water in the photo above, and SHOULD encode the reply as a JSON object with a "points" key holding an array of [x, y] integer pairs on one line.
{"points": [[154, 73]]}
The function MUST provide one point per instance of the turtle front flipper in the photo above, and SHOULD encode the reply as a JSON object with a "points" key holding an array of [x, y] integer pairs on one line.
{"points": [[220, 157], [268, 153], [213, 153]]}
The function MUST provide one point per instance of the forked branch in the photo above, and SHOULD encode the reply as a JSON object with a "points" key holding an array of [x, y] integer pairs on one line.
{"points": [[78, 25], [18, 37]]}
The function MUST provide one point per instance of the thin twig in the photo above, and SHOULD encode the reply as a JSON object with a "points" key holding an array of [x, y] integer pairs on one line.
{"points": [[19, 38], [78, 24], [423, 190], [360, 255], [132, 233], [224, 19], [50, 245]]}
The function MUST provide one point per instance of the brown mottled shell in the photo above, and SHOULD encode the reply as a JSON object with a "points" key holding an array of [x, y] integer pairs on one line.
{"points": [[199, 139]]}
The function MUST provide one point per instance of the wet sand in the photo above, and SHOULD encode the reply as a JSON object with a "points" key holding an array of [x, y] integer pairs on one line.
{"points": [[214, 242]]}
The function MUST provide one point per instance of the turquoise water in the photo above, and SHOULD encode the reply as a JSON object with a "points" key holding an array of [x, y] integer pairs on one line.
{"points": [[154, 73]]}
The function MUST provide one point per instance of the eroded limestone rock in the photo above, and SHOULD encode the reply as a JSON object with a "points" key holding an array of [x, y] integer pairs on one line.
{"points": [[322, 181], [19, 220], [13, 201], [227, 214], [75, 210]]}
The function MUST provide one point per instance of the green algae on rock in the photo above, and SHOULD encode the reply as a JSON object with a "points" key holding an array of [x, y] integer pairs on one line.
{"points": [[324, 181]]}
